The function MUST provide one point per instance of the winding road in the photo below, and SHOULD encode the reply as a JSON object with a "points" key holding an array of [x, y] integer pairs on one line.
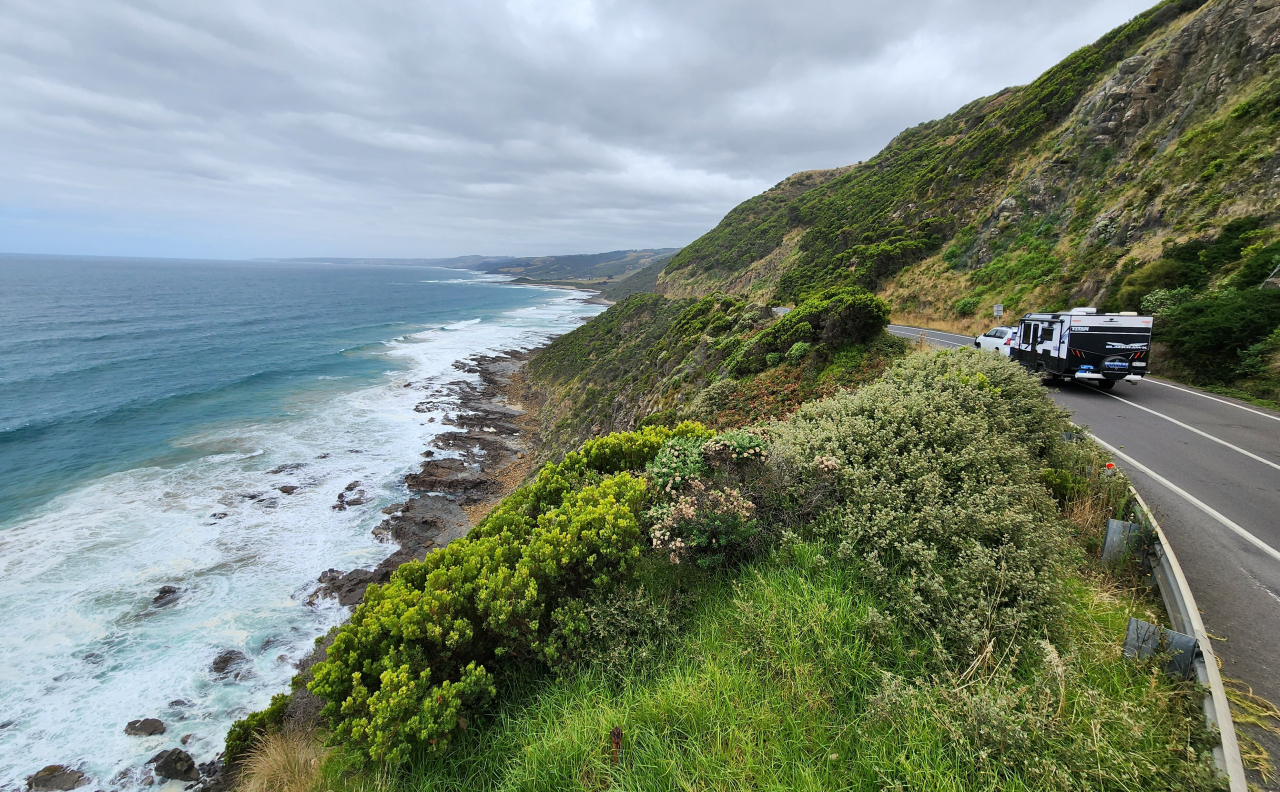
{"points": [[1209, 467]]}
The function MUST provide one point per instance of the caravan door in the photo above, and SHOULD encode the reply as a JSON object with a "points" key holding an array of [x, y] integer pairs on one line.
{"points": [[1047, 347]]}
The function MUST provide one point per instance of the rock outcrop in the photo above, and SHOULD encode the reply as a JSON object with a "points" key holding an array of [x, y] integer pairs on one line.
{"points": [[146, 727], [56, 778]]}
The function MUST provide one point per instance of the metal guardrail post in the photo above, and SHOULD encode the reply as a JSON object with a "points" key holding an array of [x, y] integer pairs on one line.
{"points": [[1185, 618]]}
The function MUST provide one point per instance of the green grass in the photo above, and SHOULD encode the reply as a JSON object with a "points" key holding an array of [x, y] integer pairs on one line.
{"points": [[792, 680]]}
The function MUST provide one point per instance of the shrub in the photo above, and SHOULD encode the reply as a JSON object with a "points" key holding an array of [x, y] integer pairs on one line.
{"points": [[713, 398], [677, 464], [427, 648], [1162, 273], [1161, 301], [1211, 331], [1257, 266], [712, 526], [923, 483], [966, 306], [833, 317], [798, 352], [660, 418]]}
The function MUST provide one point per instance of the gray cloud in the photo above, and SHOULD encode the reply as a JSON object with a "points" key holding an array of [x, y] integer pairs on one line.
{"points": [[399, 128]]}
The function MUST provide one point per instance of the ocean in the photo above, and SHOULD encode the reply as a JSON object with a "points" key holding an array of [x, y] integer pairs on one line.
{"points": [[150, 410]]}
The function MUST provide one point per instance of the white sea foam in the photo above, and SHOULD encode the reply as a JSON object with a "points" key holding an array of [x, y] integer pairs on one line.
{"points": [[84, 651]]}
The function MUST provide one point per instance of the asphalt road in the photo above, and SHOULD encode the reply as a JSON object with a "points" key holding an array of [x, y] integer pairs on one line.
{"points": [[1223, 453]]}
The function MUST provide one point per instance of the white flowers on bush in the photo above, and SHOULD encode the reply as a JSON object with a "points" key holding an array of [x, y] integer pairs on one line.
{"points": [[927, 483]]}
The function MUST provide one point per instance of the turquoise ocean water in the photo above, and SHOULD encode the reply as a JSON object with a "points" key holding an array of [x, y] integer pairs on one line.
{"points": [[149, 410]]}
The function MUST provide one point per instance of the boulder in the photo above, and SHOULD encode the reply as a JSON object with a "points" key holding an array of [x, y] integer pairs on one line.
{"points": [[175, 764], [166, 596], [230, 662], [146, 727], [288, 489], [55, 778]]}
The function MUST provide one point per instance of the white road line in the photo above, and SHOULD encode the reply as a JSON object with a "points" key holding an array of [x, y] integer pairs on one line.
{"points": [[1188, 427], [1214, 398], [1199, 504], [912, 332]]}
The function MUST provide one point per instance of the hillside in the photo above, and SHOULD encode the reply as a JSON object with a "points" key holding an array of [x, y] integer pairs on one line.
{"points": [[1146, 162]]}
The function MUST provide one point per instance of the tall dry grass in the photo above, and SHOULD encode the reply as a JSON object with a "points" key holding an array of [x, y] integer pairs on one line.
{"points": [[287, 761]]}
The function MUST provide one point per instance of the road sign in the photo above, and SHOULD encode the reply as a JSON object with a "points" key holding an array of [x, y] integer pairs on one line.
{"points": [[999, 310]]}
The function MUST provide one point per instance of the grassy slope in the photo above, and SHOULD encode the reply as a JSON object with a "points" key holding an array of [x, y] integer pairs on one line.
{"points": [[782, 685], [1042, 196], [653, 356]]}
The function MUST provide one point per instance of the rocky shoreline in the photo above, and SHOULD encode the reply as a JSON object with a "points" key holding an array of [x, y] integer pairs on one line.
{"points": [[465, 472]]}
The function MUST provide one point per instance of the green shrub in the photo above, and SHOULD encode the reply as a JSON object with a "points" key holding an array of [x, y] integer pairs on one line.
{"points": [[967, 306], [1256, 267], [677, 463], [834, 317], [660, 418], [798, 352], [1210, 332], [245, 733], [1159, 302], [1165, 273], [923, 482], [712, 526], [427, 648], [1064, 484]]}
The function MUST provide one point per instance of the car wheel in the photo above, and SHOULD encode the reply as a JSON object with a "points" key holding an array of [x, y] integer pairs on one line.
{"points": [[1106, 385]]}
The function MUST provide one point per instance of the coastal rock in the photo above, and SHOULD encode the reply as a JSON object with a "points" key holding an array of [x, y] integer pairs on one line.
{"points": [[231, 662], [347, 588], [288, 489], [166, 596], [146, 727], [56, 778], [175, 764]]}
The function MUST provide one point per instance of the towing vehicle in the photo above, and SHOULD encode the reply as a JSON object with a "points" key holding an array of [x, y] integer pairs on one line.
{"points": [[1084, 345]]}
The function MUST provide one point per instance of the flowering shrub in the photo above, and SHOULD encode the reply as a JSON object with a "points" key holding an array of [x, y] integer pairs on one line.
{"points": [[924, 482], [694, 517], [422, 651], [710, 525]]}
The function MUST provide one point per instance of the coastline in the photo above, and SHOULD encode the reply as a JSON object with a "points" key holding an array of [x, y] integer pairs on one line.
{"points": [[463, 475]]}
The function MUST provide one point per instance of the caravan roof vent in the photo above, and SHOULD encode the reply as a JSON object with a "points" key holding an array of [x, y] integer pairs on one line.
{"points": [[1083, 310]]}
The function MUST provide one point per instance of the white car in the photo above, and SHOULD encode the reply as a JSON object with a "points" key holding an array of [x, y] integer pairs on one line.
{"points": [[997, 339]]}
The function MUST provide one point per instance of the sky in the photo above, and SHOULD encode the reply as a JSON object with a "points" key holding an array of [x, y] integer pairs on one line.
{"points": [[403, 128]]}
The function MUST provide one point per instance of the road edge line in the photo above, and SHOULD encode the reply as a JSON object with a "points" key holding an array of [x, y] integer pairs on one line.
{"points": [[1199, 504], [1159, 381]]}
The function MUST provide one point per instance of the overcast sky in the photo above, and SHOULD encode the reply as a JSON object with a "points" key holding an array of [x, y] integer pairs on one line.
{"points": [[247, 128]]}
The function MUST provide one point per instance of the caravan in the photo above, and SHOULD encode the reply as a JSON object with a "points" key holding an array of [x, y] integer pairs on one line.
{"points": [[1085, 346]]}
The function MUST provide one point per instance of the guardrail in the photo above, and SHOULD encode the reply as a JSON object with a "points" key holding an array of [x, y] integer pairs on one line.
{"points": [[1184, 617]]}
